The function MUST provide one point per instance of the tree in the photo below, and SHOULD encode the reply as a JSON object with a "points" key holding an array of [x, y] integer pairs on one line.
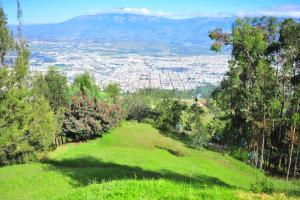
{"points": [[84, 83], [168, 112], [259, 99], [27, 125], [201, 134], [57, 89], [289, 53], [113, 90], [6, 40]]}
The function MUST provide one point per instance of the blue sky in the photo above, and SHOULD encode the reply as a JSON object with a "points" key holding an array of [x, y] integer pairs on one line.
{"points": [[52, 11]]}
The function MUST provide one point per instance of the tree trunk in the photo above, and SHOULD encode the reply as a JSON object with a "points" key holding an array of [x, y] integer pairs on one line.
{"points": [[256, 157], [296, 159], [262, 142], [267, 159], [262, 151], [270, 158], [290, 161], [279, 161], [298, 146]]}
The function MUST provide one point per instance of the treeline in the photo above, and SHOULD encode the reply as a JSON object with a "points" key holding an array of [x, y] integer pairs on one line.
{"points": [[39, 112], [202, 91], [260, 94]]}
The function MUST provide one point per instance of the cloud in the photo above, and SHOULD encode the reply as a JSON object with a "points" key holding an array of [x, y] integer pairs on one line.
{"points": [[280, 11], [212, 15], [138, 11]]}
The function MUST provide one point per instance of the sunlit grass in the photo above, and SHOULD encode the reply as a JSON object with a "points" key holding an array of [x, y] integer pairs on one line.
{"points": [[133, 160]]}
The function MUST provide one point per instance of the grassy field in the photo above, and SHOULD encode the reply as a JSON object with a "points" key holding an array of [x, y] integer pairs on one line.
{"points": [[136, 161]]}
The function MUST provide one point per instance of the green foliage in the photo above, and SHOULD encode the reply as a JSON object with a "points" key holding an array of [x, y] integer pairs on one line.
{"points": [[258, 95], [136, 108], [85, 84], [86, 119], [262, 185], [21, 63], [113, 91], [6, 39], [240, 154], [27, 125], [43, 125], [168, 113], [202, 131], [56, 89]]}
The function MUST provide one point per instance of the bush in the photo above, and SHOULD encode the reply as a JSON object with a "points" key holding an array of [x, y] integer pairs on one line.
{"points": [[168, 113], [136, 108], [201, 134], [241, 154], [86, 118], [262, 185], [148, 121], [113, 90]]}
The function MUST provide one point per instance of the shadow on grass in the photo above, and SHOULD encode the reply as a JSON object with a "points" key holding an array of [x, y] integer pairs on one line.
{"points": [[182, 137], [187, 141], [171, 151], [86, 170]]}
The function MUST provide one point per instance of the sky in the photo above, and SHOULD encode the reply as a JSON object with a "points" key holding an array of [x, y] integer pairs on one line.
{"points": [[53, 11]]}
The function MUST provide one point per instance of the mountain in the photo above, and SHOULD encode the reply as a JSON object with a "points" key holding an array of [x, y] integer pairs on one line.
{"points": [[130, 27], [135, 33]]}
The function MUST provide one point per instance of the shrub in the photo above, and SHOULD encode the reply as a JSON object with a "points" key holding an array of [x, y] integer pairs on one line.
{"points": [[113, 90], [86, 118], [241, 154], [201, 134], [262, 185], [136, 108], [168, 113]]}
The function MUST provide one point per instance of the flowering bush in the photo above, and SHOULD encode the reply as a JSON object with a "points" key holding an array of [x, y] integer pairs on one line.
{"points": [[86, 118]]}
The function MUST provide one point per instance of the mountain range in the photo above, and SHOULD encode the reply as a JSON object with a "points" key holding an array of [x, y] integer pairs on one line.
{"points": [[131, 28]]}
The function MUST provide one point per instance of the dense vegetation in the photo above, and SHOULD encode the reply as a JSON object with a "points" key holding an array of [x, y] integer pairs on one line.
{"points": [[39, 112], [260, 94]]}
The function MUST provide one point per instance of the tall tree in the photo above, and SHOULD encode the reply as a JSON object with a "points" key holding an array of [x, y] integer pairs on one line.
{"points": [[260, 93], [6, 40]]}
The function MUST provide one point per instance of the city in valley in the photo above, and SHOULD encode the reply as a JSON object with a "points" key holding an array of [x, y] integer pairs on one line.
{"points": [[109, 63]]}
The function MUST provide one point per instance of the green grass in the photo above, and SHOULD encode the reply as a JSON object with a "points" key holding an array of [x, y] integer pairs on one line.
{"points": [[135, 161]]}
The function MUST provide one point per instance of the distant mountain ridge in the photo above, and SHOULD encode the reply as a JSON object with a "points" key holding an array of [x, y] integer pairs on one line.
{"points": [[130, 27], [135, 32]]}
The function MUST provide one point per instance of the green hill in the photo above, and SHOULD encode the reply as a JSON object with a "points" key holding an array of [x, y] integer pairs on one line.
{"points": [[136, 161]]}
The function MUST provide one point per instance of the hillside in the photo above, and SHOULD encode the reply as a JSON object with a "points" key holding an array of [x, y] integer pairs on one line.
{"points": [[136, 161]]}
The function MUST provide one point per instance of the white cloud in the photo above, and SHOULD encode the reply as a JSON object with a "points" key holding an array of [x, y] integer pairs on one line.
{"points": [[213, 15], [138, 11], [281, 11]]}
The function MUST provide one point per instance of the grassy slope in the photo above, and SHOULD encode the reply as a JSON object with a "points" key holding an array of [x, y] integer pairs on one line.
{"points": [[127, 162]]}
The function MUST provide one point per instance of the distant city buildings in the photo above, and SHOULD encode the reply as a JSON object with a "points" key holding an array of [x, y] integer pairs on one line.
{"points": [[131, 71]]}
